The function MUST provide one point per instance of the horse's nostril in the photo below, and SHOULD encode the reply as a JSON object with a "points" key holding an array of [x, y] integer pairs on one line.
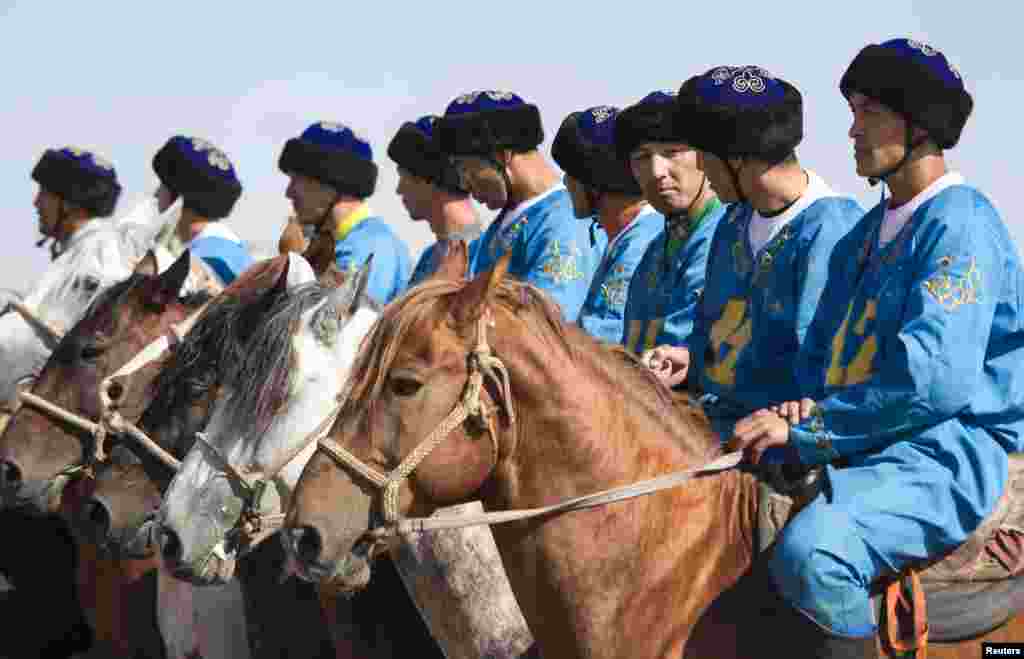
{"points": [[97, 519], [307, 543], [170, 546], [10, 475]]}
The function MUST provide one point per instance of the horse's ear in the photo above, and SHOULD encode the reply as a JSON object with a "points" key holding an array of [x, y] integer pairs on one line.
{"points": [[452, 260], [346, 297], [148, 265], [478, 293], [167, 286], [281, 285], [333, 276], [363, 280], [292, 239]]}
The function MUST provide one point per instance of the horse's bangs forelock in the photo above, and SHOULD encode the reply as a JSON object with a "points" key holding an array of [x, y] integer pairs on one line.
{"points": [[260, 381], [386, 338]]}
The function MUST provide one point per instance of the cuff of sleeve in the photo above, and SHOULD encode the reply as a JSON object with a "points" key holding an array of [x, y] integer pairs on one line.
{"points": [[812, 442]]}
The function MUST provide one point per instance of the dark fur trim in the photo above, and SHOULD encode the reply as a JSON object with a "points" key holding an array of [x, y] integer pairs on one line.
{"points": [[911, 89], [644, 122], [343, 170], [204, 193], [770, 134], [413, 150], [77, 185], [595, 165], [484, 133]]}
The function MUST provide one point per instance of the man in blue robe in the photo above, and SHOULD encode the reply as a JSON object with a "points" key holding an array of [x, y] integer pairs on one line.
{"points": [[913, 361], [203, 176], [603, 190], [331, 174], [769, 257], [662, 300], [493, 136], [430, 190]]}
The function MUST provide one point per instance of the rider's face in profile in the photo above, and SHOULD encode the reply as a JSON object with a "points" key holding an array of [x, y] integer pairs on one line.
{"points": [[669, 173], [164, 198], [581, 206], [417, 194], [310, 198], [48, 207], [721, 176], [483, 180], [878, 134]]}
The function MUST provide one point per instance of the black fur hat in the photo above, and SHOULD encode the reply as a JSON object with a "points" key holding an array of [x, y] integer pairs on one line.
{"points": [[333, 154], [79, 177], [741, 111], [201, 173], [584, 148], [415, 149], [916, 81], [652, 119], [482, 123]]}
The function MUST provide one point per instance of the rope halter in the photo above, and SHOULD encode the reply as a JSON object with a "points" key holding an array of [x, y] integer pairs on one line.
{"points": [[483, 366]]}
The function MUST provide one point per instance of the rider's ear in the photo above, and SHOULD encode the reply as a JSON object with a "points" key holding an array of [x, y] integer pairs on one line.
{"points": [[167, 286], [478, 293]]}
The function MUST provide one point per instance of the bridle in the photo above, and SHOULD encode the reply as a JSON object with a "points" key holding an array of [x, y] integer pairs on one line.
{"points": [[111, 423], [484, 366]]}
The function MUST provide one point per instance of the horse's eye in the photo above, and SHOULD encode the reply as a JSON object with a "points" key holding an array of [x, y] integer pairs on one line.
{"points": [[404, 387], [91, 351]]}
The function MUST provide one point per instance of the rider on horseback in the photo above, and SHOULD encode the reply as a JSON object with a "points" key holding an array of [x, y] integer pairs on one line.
{"points": [[493, 137], [332, 173], [912, 361], [603, 190], [75, 186], [662, 298], [769, 257], [430, 190], [203, 175]]}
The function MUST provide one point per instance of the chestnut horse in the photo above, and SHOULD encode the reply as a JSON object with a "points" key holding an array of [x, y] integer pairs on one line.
{"points": [[280, 615], [130, 486], [43, 459], [631, 579]]}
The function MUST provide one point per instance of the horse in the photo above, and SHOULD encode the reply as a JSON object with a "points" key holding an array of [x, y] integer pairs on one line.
{"points": [[101, 254], [182, 397], [43, 457], [523, 411], [128, 485]]}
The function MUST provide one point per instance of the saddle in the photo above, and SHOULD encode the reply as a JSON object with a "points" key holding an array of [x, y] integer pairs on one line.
{"points": [[968, 592]]}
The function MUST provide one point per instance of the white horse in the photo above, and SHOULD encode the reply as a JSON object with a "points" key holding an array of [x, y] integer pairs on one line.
{"points": [[101, 254], [261, 434], [297, 362]]}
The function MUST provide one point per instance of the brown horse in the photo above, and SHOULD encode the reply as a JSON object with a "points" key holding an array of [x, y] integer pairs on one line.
{"points": [[641, 578], [280, 615], [40, 456], [175, 393]]}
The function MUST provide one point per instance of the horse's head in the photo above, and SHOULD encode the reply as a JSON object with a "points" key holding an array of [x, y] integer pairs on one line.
{"points": [[259, 436], [100, 255], [40, 452], [129, 491], [426, 398]]}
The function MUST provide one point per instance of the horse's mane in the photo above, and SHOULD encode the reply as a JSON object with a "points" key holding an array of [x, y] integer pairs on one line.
{"points": [[543, 318], [259, 381], [215, 342]]}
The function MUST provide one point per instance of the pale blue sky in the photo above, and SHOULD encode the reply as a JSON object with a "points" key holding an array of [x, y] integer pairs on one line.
{"points": [[121, 77]]}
